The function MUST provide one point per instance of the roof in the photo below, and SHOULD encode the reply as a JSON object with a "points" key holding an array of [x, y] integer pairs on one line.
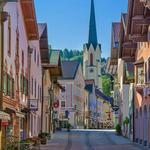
{"points": [[28, 9], [69, 69], [140, 61], [92, 27], [42, 28], [54, 57], [103, 96]]}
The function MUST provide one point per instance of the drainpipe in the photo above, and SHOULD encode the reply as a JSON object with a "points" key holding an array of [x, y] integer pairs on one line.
{"points": [[30, 50], [42, 104]]}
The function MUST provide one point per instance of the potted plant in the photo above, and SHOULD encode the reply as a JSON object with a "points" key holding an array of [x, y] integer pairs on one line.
{"points": [[68, 127], [118, 129], [126, 123], [43, 136]]}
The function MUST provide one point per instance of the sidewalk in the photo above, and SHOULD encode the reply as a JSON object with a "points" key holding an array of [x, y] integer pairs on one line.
{"points": [[58, 141]]}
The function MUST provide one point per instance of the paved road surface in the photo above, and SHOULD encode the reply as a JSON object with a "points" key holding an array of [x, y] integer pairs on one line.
{"points": [[89, 140]]}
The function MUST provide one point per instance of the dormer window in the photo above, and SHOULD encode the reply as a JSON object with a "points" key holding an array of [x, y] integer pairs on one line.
{"points": [[91, 59]]}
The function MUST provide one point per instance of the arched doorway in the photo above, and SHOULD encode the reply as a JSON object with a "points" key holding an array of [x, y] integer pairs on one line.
{"points": [[145, 126]]}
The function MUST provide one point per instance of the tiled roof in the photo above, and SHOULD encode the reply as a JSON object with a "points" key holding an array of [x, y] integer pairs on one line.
{"points": [[54, 57], [103, 96], [69, 69]]}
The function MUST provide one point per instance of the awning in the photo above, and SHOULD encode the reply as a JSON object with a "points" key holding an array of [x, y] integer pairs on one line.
{"points": [[140, 61], [20, 114], [4, 116]]}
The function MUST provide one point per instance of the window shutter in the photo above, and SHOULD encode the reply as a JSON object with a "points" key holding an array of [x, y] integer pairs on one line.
{"points": [[21, 85], [5, 83], [10, 86], [25, 86], [13, 88], [8, 83]]}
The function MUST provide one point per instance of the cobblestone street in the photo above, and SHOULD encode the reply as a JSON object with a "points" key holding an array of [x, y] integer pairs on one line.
{"points": [[89, 140]]}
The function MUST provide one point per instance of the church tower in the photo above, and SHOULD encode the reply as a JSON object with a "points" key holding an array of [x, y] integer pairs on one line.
{"points": [[92, 53]]}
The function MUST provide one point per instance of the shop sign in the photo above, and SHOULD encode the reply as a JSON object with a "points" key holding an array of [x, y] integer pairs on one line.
{"points": [[5, 123], [56, 104], [33, 104]]}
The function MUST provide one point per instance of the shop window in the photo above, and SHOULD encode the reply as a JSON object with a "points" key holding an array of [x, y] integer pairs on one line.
{"points": [[62, 103], [140, 74]]}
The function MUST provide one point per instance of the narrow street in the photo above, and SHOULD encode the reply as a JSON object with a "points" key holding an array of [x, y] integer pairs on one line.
{"points": [[89, 140]]}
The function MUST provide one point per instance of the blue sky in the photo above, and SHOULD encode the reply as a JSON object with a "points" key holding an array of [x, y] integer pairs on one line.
{"points": [[68, 21]]}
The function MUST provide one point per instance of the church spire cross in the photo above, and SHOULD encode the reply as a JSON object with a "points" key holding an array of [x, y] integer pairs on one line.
{"points": [[92, 27]]}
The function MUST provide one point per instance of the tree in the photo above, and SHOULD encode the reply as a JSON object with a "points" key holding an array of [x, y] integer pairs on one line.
{"points": [[106, 85]]}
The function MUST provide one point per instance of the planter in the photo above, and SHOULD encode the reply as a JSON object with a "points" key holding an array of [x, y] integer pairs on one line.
{"points": [[43, 141]]}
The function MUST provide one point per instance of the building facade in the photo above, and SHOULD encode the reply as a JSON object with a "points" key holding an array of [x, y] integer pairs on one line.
{"points": [[72, 98]]}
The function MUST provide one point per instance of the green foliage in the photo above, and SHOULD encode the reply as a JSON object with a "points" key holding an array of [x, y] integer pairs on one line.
{"points": [[106, 85], [118, 129], [126, 121], [43, 135]]}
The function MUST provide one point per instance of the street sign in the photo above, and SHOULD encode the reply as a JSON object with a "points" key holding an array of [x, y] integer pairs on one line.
{"points": [[56, 104], [115, 108], [33, 104]]}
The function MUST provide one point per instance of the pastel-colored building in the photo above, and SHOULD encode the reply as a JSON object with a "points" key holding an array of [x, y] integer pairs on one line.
{"points": [[19, 31], [72, 98], [92, 108]]}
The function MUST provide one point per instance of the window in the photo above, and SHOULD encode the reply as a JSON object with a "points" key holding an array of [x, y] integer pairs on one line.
{"points": [[35, 89], [91, 59], [5, 83], [91, 70], [21, 82], [35, 56], [145, 72], [38, 60], [140, 74], [8, 85], [17, 43], [13, 88], [9, 35], [22, 58], [62, 103], [32, 86], [63, 89]]}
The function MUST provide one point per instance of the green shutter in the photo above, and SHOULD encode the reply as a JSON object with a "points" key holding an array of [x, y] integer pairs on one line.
{"points": [[21, 86], [5, 83], [8, 88], [13, 88], [25, 86]]}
